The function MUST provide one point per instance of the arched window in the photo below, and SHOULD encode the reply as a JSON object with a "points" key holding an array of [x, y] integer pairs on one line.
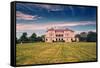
{"points": [[46, 39], [59, 39], [56, 39]]}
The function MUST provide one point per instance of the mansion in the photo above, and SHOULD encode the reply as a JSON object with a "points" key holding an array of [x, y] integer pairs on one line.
{"points": [[60, 35]]}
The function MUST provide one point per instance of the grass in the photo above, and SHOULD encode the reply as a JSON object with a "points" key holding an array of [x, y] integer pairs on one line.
{"points": [[44, 53]]}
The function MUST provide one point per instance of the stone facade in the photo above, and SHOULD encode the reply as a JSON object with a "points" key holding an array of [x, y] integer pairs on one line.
{"points": [[59, 35]]}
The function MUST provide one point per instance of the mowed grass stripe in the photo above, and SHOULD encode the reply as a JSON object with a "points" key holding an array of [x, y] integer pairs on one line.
{"points": [[27, 53], [81, 53], [47, 55], [57, 56], [88, 49], [41, 53]]}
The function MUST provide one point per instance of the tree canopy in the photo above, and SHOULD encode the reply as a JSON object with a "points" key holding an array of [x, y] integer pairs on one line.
{"points": [[24, 38], [89, 37]]}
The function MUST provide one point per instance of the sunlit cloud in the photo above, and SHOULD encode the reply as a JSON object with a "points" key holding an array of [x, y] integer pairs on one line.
{"points": [[23, 16], [54, 25]]}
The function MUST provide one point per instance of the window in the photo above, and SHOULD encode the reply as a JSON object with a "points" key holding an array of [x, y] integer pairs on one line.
{"points": [[46, 39], [62, 39], [59, 39], [59, 35], [56, 39]]}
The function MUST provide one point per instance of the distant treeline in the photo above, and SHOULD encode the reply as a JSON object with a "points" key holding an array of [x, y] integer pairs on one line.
{"points": [[32, 38], [83, 37], [87, 37]]}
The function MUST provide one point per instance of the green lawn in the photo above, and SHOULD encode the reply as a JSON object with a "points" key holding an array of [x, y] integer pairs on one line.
{"points": [[44, 53]]}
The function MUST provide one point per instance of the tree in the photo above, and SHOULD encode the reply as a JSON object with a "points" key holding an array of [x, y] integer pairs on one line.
{"points": [[83, 36], [39, 38], [91, 37], [33, 37], [77, 36], [24, 38], [43, 38]]}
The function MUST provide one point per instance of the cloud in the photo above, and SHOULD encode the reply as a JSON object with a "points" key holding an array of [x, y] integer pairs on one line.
{"points": [[62, 24], [23, 16], [49, 25], [30, 27], [50, 7]]}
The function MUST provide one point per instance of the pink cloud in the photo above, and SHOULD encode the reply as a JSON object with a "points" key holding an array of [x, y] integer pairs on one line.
{"points": [[47, 26], [23, 16], [29, 27]]}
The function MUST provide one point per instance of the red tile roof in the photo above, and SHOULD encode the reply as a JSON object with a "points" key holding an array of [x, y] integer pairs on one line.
{"points": [[60, 30]]}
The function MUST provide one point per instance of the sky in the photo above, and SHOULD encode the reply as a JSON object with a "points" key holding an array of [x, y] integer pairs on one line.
{"points": [[37, 18]]}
